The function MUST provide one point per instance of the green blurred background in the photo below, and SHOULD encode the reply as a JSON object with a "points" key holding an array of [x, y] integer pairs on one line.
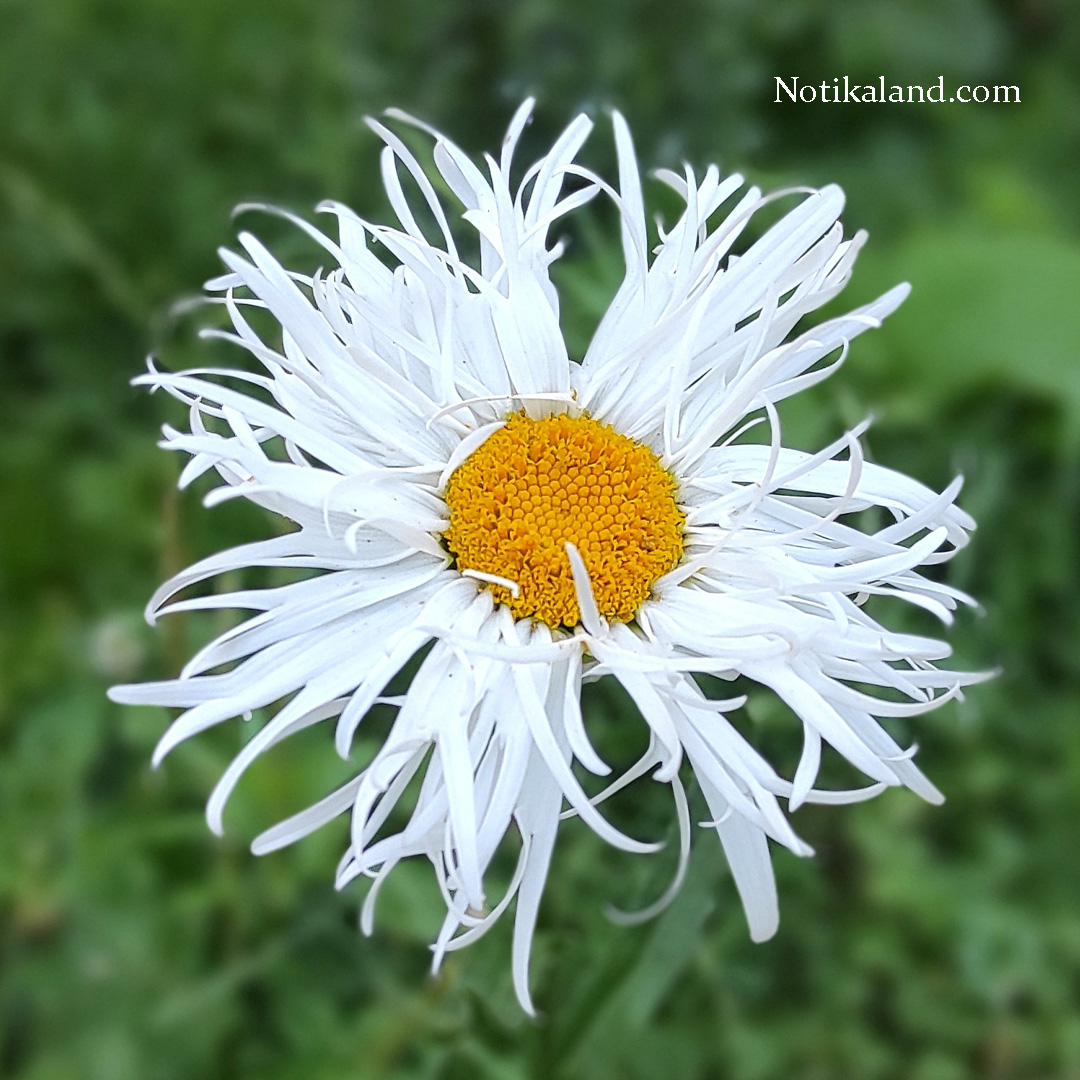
{"points": [[921, 944]]}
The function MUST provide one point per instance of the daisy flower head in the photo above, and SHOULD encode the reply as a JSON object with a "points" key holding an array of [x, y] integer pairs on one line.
{"points": [[457, 485]]}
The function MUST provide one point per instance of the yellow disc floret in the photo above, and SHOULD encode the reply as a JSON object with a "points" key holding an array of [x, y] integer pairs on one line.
{"points": [[535, 485]]}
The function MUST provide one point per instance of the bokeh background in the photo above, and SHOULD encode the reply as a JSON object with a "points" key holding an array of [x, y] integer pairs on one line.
{"points": [[921, 944]]}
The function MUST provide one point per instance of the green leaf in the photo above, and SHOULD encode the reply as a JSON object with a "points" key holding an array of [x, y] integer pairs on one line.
{"points": [[985, 311]]}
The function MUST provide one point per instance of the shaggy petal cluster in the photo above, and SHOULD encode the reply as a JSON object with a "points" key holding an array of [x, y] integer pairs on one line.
{"points": [[395, 366]]}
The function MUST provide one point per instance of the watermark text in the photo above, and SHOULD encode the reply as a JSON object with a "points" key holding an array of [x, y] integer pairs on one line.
{"points": [[841, 90]]}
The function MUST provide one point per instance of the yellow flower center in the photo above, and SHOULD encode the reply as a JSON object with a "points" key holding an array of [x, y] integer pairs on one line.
{"points": [[536, 484]]}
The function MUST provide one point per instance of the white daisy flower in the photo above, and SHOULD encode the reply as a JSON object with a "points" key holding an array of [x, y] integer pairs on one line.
{"points": [[459, 482]]}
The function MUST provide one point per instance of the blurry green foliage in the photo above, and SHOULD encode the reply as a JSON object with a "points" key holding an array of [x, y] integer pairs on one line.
{"points": [[921, 943]]}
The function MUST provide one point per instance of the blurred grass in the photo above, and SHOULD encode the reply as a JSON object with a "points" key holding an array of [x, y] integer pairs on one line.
{"points": [[921, 943]]}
